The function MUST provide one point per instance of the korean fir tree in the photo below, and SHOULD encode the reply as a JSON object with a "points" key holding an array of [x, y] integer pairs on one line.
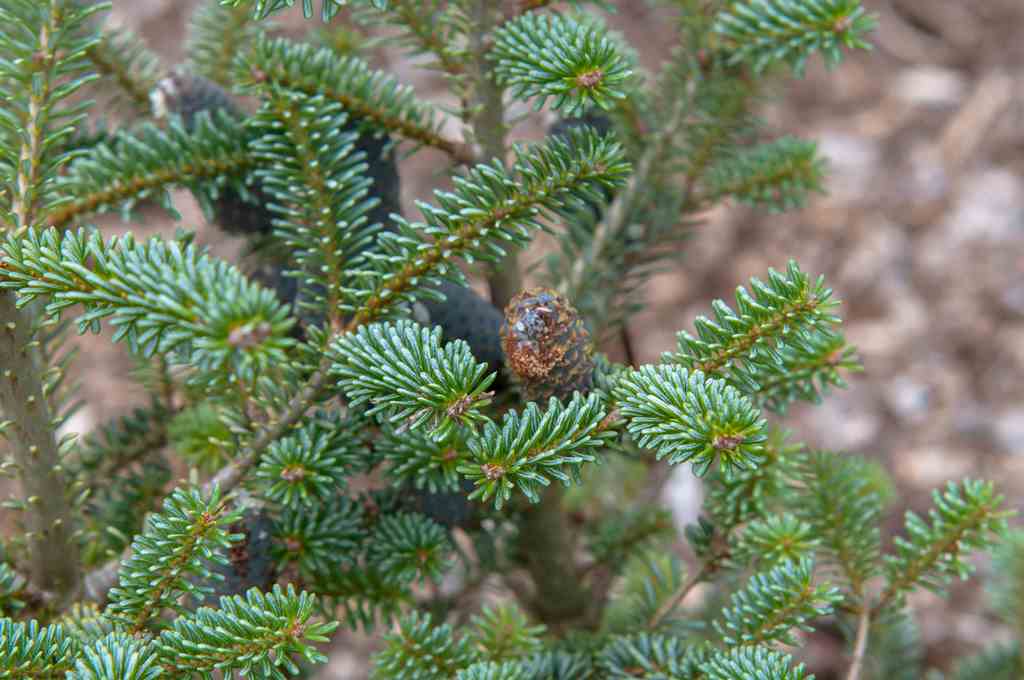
{"points": [[496, 450]]}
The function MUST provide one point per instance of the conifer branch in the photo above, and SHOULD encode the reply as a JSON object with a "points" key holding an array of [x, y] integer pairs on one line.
{"points": [[261, 9], [406, 375], [490, 204], [574, 63], [773, 603], [529, 448], [170, 550], [117, 655], [366, 94], [778, 347], [763, 32], [616, 218], [145, 163], [161, 297], [121, 57], [676, 598], [690, 418], [778, 175], [217, 34], [99, 582], [253, 636], [860, 646], [42, 66], [752, 663], [965, 517], [310, 170], [53, 554], [28, 650], [489, 130], [428, 29]]}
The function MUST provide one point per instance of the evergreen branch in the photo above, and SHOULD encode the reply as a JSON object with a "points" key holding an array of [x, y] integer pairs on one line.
{"points": [[171, 550], [486, 114], [217, 34], [540, 55], [409, 547], [101, 580], [489, 670], [998, 662], [765, 318], [609, 231], [488, 205], [778, 347], [160, 296], [778, 175], [28, 650], [364, 594], [838, 500], [764, 32], [810, 364], [117, 444], [753, 663], [86, 622], [145, 163], [503, 633], [428, 27], [860, 646], [647, 581], [419, 650], [428, 463], [966, 517], [768, 541], [53, 553], [43, 45], [773, 603], [1006, 585], [261, 9], [689, 417], [117, 656], [743, 496], [365, 93], [120, 56], [676, 598], [254, 636], [322, 539], [527, 449], [310, 465], [647, 656], [319, 189], [408, 377], [12, 585]]}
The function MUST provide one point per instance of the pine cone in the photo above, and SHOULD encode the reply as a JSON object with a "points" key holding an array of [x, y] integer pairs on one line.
{"points": [[546, 345]]}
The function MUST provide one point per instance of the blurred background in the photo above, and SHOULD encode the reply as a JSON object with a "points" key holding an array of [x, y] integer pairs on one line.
{"points": [[921, 235]]}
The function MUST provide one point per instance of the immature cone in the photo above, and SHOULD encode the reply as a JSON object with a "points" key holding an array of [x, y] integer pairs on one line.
{"points": [[546, 345]]}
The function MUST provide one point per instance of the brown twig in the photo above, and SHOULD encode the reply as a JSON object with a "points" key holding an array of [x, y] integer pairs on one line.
{"points": [[860, 647], [669, 605]]}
